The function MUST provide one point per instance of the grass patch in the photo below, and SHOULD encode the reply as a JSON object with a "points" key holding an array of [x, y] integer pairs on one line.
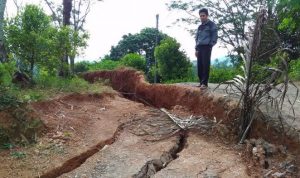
{"points": [[18, 155], [48, 87]]}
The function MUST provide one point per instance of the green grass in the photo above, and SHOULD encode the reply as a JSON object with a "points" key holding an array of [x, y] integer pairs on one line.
{"points": [[18, 154], [48, 87]]}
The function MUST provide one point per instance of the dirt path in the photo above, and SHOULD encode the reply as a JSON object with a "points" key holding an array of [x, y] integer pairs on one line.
{"points": [[288, 113], [204, 157], [77, 126], [135, 154], [107, 135], [110, 136]]}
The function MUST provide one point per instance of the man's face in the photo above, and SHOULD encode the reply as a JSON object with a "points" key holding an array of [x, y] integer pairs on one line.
{"points": [[203, 17]]}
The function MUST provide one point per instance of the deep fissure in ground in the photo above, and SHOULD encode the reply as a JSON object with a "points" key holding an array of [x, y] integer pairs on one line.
{"points": [[153, 166]]}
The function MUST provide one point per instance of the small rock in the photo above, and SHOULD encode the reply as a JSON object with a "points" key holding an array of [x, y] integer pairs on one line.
{"points": [[279, 174], [254, 151], [211, 174]]}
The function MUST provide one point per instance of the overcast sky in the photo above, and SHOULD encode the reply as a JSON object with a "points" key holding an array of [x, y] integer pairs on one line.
{"points": [[108, 21]]}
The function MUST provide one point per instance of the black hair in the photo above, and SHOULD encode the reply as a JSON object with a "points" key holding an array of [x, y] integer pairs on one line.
{"points": [[203, 10]]}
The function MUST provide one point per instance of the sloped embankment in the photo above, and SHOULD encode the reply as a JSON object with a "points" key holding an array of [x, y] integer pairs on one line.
{"points": [[132, 84]]}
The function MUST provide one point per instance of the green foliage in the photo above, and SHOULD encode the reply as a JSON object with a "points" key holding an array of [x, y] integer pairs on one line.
{"points": [[6, 145], [105, 64], [288, 10], [295, 69], [134, 60], [191, 77], [172, 63], [18, 155], [73, 84], [37, 44], [7, 71], [28, 36], [137, 43], [8, 98], [82, 66], [4, 139], [231, 17], [221, 74]]}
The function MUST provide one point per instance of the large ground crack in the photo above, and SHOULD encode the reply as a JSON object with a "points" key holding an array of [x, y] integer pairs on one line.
{"points": [[78, 160], [153, 166]]}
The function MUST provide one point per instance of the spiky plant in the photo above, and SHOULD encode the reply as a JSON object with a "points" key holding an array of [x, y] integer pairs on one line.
{"points": [[252, 93]]}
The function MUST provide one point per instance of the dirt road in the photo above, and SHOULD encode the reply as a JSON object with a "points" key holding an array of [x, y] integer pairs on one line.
{"points": [[110, 135], [287, 111]]}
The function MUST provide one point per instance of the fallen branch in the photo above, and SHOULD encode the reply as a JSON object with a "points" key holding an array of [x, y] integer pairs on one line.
{"points": [[192, 122]]}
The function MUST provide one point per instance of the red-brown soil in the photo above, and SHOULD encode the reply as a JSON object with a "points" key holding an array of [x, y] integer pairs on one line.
{"points": [[107, 135]]}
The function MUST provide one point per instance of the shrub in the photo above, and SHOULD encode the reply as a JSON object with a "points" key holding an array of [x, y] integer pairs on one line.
{"points": [[104, 64], [172, 62], [82, 66], [134, 60], [7, 71], [221, 74]]}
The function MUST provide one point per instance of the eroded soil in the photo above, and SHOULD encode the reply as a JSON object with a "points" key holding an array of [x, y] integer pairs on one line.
{"points": [[108, 135]]}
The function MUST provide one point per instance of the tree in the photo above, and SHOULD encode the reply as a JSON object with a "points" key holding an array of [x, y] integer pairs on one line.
{"points": [[172, 63], [76, 19], [289, 14], [142, 43], [232, 18], [67, 8], [134, 60], [2, 47], [29, 35], [288, 25]]}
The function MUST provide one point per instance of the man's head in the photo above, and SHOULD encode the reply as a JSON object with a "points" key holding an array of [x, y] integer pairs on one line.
{"points": [[203, 13]]}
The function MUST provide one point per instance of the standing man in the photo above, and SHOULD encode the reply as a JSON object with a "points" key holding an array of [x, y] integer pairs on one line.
{"points": [[206, 38]]}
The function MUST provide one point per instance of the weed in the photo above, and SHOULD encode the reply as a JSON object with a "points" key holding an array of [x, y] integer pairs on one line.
{"points": [[18, 155]]}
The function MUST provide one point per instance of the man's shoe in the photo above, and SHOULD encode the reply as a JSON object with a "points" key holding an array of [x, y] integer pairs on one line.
{"points": [[203, 87]]}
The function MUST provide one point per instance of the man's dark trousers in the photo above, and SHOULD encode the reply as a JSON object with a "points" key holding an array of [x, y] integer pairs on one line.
{"points": [[203, 63]]}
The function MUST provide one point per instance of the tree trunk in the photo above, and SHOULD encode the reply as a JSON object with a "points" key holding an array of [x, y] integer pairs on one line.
{"points": [[72, 62], [3, 55], [67, 8], [67, 5]]}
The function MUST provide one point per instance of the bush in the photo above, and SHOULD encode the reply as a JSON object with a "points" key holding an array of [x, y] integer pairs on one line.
{"points": [[82, 66], [8, 98], [7, 71], [104, 64], [72, 84], [134, 60], [191, 76], [222, 74], [172, 62]]}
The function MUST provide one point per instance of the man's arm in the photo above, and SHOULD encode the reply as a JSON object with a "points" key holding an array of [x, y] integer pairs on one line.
{"points": [[196, 38], [214, 34]]}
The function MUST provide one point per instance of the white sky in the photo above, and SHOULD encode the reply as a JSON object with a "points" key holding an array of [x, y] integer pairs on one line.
{"points": [[108, 21]]}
